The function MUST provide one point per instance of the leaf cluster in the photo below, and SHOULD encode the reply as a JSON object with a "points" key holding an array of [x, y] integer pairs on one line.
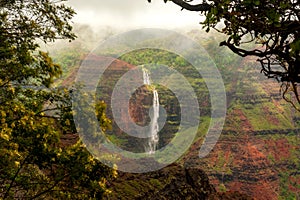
{"points": [[35, 162]]}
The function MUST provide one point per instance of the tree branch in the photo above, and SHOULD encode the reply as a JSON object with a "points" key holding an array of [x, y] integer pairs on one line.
{"points": [[197, 8], [285, 92], [6, 195], [50, 188], [243, 52]]}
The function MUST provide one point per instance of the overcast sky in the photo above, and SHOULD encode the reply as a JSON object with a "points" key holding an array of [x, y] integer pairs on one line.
{"points": [[133, 14]]}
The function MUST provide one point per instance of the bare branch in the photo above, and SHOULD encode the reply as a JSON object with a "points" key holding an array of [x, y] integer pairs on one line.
{"points": [[197, 8]]}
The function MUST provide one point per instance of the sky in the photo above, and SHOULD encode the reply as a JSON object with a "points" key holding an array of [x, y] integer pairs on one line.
{"points": [[133, 14]]}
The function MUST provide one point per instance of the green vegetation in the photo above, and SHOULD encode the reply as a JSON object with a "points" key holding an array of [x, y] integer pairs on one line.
{"points": [[35, 162], [285, 183]]}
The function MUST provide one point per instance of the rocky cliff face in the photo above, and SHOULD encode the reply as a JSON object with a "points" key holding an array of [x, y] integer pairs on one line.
{"points": [[172, 182], [140, 100], [258, 151], [139, 104]]}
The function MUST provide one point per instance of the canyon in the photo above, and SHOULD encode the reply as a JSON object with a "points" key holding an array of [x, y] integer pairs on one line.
{"points": [[256, 157]]}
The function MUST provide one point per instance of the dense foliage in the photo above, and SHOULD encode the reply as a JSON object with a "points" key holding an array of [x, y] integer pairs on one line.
{"points": [[34, 161], [274, 25]]}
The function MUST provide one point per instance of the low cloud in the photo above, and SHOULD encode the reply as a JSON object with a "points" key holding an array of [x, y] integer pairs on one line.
{"points": [[132, 14]]}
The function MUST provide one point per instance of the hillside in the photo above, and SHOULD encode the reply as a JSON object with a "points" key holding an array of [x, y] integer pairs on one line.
{"points": [[257, 153]]}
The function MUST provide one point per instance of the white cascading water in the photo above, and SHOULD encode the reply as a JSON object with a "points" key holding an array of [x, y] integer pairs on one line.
{"points": [[154, 128], [146, 77]]}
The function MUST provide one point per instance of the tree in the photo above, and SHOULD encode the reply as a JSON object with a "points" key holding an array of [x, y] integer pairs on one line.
{"points": [[274, 25], [34, 162]]}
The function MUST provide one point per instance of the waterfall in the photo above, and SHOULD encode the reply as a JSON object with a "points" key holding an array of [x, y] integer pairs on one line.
{"points": [[146, 77], [154, 128]]}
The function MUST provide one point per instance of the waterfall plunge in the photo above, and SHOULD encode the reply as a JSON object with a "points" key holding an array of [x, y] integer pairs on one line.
{"points": [[154, 128]]}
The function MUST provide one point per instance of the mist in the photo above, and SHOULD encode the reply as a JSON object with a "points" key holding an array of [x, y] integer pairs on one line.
{"points": [[132, 14]]}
